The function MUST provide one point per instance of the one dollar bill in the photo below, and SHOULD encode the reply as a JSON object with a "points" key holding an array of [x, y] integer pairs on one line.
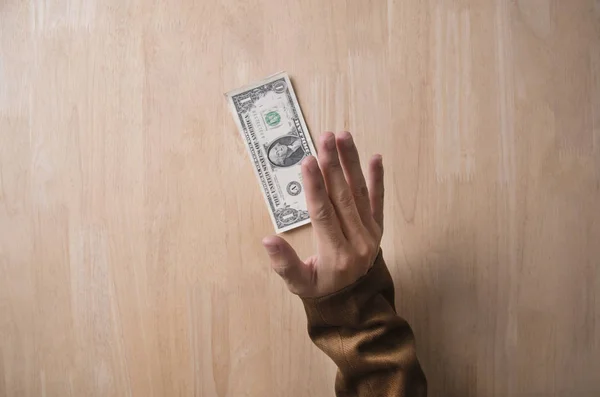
{"points": [[269, 119]]}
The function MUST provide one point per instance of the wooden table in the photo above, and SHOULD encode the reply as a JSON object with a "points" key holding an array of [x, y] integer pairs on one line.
{"points": [[130, 218]]}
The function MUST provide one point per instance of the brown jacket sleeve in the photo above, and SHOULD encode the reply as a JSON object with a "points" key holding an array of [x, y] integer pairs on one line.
{"points": [[373, 348]]}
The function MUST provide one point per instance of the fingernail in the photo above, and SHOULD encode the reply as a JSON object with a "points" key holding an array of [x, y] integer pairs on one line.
{"points": [[329, 141], [271, 248], [311, 164], [346, 139], [379, 159]]}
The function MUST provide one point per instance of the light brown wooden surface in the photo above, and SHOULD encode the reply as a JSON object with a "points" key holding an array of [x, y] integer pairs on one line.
{"points": [[130, 219]]}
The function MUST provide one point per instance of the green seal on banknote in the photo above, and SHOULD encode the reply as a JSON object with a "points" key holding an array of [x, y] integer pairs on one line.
{"points": [[272, 118]]}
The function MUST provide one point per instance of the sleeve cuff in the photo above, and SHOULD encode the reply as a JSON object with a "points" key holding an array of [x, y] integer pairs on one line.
{"points": [[344, 307]]}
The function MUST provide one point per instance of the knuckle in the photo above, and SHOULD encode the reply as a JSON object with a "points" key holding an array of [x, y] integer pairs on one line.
{"points": [[365, 250], [361, 192], [323, 213], [345, 199], [344, 264], [351, 263]]}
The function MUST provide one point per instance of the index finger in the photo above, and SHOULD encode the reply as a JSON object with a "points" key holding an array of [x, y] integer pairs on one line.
{"points": [[320, 208]]}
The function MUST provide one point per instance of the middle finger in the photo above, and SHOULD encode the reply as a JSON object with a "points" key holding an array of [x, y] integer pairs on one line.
{"points": [[337, 187], [354, 175]]}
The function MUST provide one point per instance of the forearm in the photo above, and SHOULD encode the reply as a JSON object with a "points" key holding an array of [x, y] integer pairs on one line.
{"points": [[373, 348]]}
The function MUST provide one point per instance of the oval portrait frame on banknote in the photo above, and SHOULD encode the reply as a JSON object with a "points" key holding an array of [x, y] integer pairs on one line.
{"points": [[285, 151]]}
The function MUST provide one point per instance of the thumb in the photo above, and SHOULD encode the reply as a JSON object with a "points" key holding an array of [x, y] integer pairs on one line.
{"points": [[286, 263]]}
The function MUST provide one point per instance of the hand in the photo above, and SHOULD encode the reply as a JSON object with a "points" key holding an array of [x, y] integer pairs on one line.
{"points": [[347, 219]]}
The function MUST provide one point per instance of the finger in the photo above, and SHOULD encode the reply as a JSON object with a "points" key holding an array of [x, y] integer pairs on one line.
{"points": [[337, 187], [320, 208], [285, 262], [354, 176], [376, 189]]}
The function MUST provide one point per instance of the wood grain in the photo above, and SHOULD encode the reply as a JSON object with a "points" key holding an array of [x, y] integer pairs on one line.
{"points": [[130, 219]]}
